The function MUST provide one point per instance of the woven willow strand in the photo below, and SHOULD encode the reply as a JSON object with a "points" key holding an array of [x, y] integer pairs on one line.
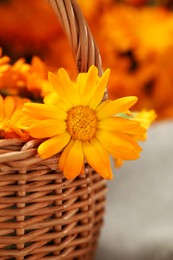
{"points": [[78, 33]]}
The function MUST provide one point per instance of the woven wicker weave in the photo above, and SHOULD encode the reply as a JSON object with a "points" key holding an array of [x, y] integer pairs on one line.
{"points": [[43, 215]]}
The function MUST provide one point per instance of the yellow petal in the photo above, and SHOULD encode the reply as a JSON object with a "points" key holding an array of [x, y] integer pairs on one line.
{"points": [[69, 87], [53, 99], [88, 85], [53, 145], [121, 124], [43, 111], [98, 158], [130, 139], [80, 79], [64, 155], [74, 161], [100, 89], [59, 88], [1, 107], [145, 117], [119, 146], [47, 128], [9, 106], [16, 116], [118, 162], [116, 106], [102, 105]]}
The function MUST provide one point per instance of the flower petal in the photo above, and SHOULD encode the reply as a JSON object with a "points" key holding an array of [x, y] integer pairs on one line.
{"points": [[102, 105], [9, 106], [43, 111], [121, 124], [53, 99], [74, 161], [69, 87], [53, 145], [1, 107], [119, 145], [80, 79], [59, 88], [100, 89], [47, 128], [98, 158], [87, 85], [64, 155], [116, 106]]}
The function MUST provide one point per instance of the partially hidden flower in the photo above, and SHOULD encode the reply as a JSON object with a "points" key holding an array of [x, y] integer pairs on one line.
{"points": [[146, 118], [78, 125], [11, 125], [23, 79], [4, 60]]}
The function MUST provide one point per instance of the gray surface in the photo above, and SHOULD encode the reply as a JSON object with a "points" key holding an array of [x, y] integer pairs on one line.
{"points": [[139, 217]]}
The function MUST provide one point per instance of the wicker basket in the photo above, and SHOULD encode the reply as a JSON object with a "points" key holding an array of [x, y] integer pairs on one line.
{"points": [[43, 215]]}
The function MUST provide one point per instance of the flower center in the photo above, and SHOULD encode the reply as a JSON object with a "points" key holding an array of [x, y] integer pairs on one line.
{"points": [[82, 123]]}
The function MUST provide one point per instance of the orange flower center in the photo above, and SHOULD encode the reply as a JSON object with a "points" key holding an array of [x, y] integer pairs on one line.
{"points": [[82, 123]]}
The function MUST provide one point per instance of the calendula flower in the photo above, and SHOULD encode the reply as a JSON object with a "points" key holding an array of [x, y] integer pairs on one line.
{"points": [[4, 60], [11, 125], [75, 123], [37, 82], [146, 118], [23, 79], [36, 36], [13, 78]]}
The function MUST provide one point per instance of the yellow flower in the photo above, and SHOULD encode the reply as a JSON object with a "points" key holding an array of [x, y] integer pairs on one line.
{"points": [[145, 117], [11, 118], [77, 125]]}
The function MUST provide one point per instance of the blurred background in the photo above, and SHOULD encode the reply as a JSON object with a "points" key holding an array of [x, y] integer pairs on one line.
{"points": [[135, 38]]}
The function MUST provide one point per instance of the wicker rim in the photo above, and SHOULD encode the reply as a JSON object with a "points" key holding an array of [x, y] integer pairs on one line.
{"points": [[78, 33]]}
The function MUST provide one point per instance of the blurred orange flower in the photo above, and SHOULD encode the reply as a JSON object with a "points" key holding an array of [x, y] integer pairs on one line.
{"points": [[11, 118], [134, 43], [138, 47], [23, 79], [41, 36]]}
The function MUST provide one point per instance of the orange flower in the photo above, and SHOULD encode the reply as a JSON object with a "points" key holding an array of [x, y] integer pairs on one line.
{"points": [[153, 31], [26, 80], [4, 60], [75, 123], [42, 36], [11, 118], [14, 77], [36, 78], [138, 47], [35, 35]]}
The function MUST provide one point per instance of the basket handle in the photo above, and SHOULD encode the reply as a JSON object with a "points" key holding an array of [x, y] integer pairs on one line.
{"points": [[78, 33]]}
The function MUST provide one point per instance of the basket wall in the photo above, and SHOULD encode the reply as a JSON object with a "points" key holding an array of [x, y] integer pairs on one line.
{"points": [[43, 215]]}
